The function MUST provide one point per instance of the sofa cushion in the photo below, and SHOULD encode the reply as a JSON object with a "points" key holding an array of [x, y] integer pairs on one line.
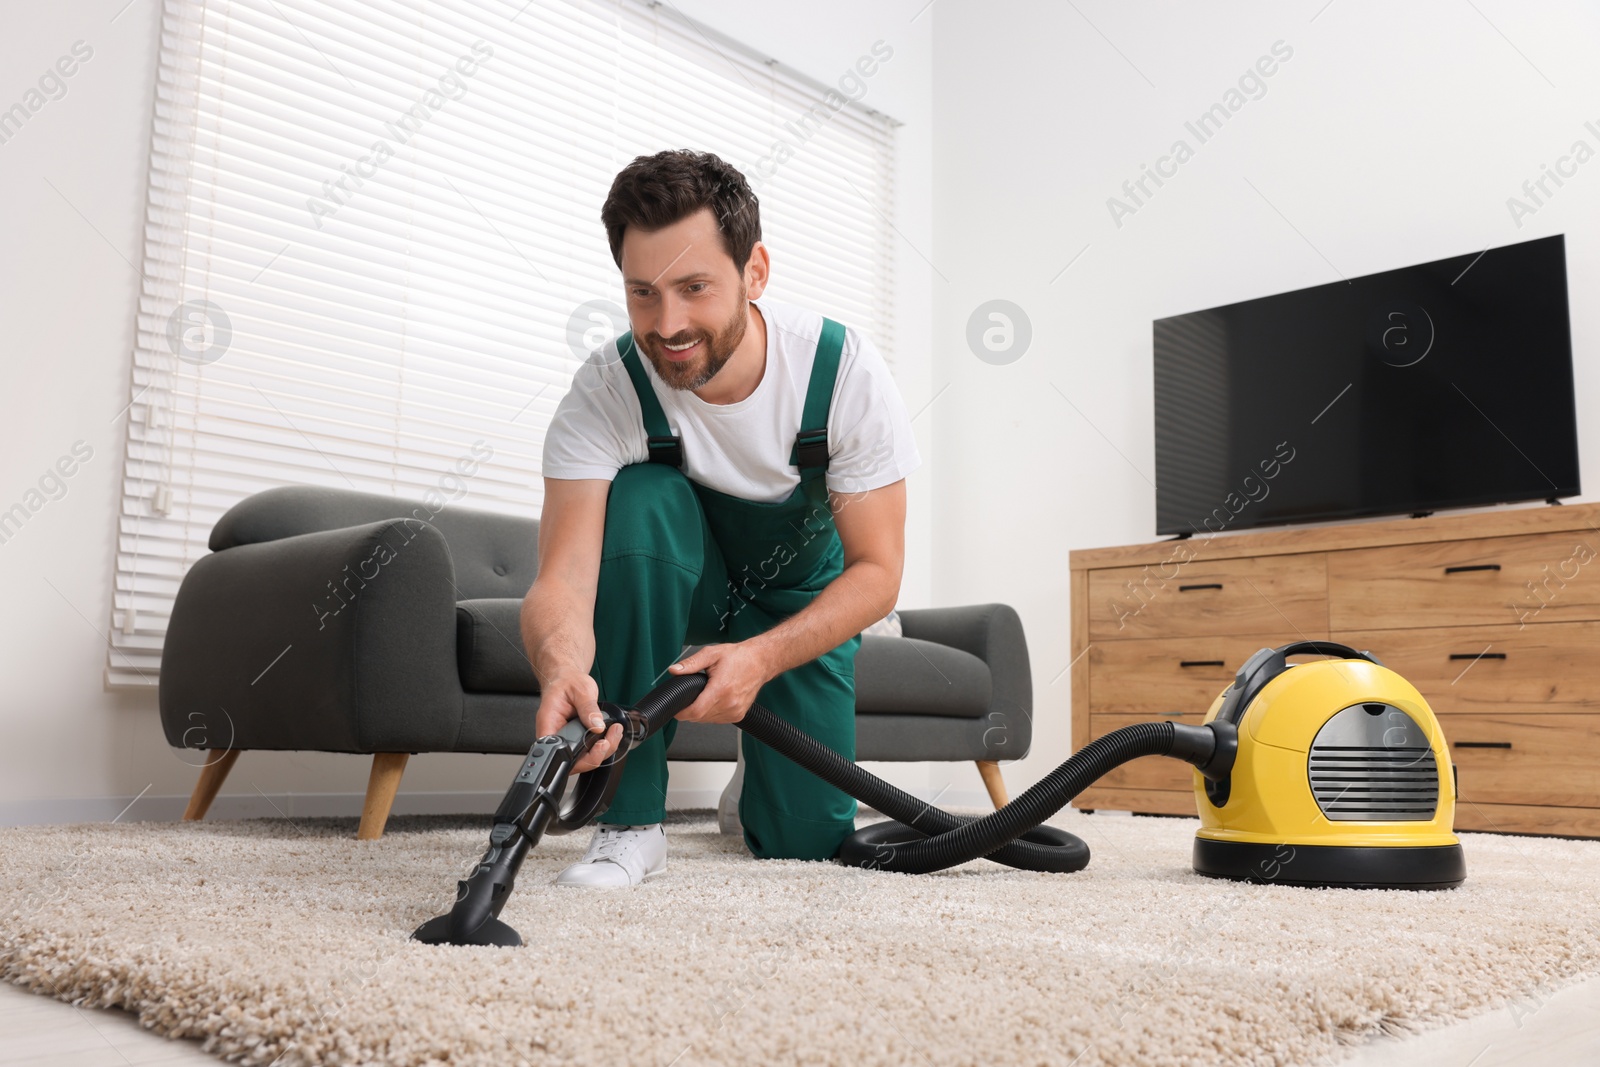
{"points": [[908, 675], [489, 653], [902, 675]]}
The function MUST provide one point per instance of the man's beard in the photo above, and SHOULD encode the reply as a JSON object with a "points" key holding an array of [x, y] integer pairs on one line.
{"points": [[715, 351]]}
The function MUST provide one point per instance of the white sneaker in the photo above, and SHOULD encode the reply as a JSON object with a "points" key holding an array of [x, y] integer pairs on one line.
{"points": [[619, 856]]}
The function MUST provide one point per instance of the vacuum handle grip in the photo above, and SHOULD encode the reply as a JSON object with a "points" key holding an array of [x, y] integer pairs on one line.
{"points": [[573, 732], [580, 739], [1324, 648]]}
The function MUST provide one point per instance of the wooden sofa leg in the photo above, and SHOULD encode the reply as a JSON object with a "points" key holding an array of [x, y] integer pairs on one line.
{"points": [[992, 781], [212, 774], [382, 785]]}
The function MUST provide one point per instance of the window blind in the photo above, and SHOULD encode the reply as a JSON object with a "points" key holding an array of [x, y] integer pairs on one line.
{"points": [[373, 245]]}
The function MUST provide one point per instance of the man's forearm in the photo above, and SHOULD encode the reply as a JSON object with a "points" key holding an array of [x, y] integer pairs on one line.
{"points": [[862, 594], [558, 630]]}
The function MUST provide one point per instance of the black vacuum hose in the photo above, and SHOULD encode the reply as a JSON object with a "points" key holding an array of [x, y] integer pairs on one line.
{"points": [[930, 839], [924, 838]]}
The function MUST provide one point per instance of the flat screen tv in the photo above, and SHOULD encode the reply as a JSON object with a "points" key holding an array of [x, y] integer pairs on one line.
{"points": [[1443, 385]]}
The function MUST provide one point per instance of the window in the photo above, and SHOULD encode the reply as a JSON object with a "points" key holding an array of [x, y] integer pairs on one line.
{"points": [[373, 243]]}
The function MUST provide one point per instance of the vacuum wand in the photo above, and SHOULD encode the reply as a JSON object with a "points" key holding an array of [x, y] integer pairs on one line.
{"points": [[536, 804]]}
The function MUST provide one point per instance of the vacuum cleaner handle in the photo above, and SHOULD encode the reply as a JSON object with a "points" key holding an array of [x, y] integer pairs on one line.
{"points": [[1324, 648], [597, 787], [1267, 664]]}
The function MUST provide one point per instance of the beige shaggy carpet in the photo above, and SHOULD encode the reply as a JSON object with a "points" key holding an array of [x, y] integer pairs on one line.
{"points": [[285, 942]]}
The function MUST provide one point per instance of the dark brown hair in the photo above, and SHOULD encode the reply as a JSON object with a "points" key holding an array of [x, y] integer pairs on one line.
{"points": [[659, 190]]}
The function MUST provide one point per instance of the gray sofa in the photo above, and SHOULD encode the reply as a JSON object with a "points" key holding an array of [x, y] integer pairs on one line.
{"points": [[337, 621]]}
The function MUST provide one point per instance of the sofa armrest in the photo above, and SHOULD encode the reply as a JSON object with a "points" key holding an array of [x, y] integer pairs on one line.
{"points": [[993, 633], [489, 550], [341, 640]]}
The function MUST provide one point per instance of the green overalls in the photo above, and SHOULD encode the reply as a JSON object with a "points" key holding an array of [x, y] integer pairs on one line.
{"points": [[683, 564]]}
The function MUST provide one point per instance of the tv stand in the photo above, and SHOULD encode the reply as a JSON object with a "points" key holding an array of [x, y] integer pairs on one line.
{"points": [[1494, 616], [1553, 501], [1420, 514]]}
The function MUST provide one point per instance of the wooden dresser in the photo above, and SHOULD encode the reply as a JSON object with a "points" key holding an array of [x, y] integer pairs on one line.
{"points": [[1494, 617]]}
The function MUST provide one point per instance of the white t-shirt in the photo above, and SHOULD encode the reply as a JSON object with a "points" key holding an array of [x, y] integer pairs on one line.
{"points": [[742, 448]]}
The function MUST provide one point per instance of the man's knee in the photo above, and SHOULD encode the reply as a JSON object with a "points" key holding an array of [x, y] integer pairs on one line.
{"points": [[814, 843], [650, 505], [771, 833]]}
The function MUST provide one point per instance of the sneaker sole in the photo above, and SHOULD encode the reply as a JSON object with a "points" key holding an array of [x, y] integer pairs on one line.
{"points": [[580, 885]]}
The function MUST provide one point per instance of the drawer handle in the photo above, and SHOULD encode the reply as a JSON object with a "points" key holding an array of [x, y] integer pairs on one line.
{"points": [[1477, 656], [1173, 714], [1483, 744], [1201, 663], [1202, 585], [1473, 567]]}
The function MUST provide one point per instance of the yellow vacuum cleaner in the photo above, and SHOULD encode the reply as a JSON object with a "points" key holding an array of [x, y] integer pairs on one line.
{"points": [[1342, 778]]}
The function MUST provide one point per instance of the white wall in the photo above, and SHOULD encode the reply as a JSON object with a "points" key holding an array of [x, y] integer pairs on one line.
{"points": [[72, 182], [1393, 136]]}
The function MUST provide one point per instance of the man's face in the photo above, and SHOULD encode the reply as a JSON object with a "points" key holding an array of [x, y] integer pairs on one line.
{"points": [[683, 290]]}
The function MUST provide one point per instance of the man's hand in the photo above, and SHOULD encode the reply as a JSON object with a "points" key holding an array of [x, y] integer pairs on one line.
{"points": [[735, 674], [569, 697]]}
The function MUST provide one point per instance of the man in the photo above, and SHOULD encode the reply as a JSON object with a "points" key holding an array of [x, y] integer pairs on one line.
{"points": [[683, 506]]}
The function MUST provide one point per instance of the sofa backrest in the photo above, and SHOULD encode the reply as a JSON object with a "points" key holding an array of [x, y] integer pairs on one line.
{"points": [[495, 555]]}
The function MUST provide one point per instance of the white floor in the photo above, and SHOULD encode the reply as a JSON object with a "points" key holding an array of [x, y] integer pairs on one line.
{"points": [[1559, 1028], [38, 1031], [1562, 1028]]}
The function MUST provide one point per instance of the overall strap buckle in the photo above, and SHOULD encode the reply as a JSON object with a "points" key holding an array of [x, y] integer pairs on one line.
{"points": [[811, 443], [811, 448], [666, 449]]}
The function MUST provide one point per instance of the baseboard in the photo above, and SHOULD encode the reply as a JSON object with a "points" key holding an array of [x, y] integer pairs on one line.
{"points": [[65, 810], [148, 808], [58, 811]]}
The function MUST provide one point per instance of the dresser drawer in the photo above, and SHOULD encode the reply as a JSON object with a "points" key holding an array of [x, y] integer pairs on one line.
{"points": [[1269, 594], [1146, 772], [1526, 759], [1505, 670], [1152, 678], [1542, 578]]}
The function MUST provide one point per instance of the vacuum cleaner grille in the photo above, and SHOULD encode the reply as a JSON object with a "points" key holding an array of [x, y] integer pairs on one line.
{"points": [[1373, 762]]}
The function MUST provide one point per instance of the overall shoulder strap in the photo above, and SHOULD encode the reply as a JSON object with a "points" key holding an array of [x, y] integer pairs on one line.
{"points": [[665, 447], [811, 443]]}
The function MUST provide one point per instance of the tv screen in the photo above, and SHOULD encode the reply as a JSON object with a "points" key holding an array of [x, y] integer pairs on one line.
{"points": [[1443, 385]]}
